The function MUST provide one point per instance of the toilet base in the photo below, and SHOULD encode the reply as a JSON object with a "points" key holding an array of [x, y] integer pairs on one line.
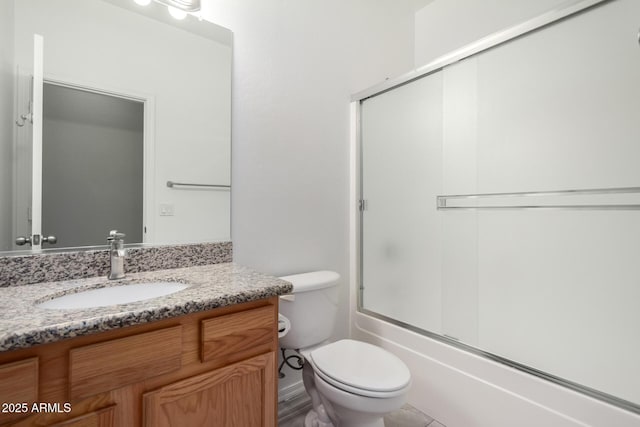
{"points": [[312, 420], [335, 407], [350, 410]]}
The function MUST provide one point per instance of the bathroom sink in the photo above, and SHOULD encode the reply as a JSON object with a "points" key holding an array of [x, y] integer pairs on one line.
{"points": [[113, 295]]}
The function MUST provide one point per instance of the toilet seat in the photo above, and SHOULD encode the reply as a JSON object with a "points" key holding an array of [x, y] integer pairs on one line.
{"points": [[361, 368]]}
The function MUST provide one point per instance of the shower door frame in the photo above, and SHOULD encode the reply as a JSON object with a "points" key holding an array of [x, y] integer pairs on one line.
{"points": [[484, 44]]}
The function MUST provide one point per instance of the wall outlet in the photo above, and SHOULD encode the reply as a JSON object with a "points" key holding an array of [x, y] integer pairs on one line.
{"points": [[166, 209]]}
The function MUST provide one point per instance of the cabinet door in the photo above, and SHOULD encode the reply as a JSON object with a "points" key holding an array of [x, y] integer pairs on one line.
{"points": [[101, 418], [18, 388], [239, 395]]}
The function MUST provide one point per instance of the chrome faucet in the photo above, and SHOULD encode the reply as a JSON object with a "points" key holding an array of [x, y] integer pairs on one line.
{"points": [[117, 254]]}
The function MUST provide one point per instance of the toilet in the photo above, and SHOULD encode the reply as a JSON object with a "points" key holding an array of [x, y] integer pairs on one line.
{"points": [[351, 383]]}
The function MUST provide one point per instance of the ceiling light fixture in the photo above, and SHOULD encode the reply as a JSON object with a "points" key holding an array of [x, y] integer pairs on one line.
{"points": [[185, 5], [177, 13], [179, 5]]}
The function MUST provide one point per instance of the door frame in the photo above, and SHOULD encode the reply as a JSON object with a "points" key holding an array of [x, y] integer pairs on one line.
{"points": [[148, 135]]}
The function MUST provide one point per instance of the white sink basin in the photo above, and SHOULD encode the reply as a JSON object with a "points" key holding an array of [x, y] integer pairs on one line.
{"points": [[113, 295]]}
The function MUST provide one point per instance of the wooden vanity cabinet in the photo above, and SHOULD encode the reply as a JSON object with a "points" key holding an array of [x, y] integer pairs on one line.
{"points": [[213, 368], [228, 396]]}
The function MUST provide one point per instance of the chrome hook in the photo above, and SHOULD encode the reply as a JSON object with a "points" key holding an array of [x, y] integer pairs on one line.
{"points": [[24, 118]]}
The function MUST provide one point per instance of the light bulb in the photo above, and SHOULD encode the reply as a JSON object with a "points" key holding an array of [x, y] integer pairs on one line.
{"points": [[142, 2], [177, 13]]}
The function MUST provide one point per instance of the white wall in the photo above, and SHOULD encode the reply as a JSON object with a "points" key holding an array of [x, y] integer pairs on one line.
{"points": [[446, 25], [296, 63], [6, 122], [457, 388]]}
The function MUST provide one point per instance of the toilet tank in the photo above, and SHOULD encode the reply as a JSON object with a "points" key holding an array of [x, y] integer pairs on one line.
{"points": [[311, 308]]}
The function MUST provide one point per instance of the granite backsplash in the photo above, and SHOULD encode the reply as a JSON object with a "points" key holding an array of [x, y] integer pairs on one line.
{"points": [[16, 270]]}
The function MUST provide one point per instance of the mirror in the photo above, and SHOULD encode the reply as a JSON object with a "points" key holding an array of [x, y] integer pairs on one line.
{"points": [[112, 67]]}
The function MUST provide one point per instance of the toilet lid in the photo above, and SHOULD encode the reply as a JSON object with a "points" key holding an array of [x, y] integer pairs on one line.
{"points": [[361, 368]]}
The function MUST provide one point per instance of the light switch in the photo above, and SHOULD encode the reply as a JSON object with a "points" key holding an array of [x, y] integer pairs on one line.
{"points": [[166, 209]]}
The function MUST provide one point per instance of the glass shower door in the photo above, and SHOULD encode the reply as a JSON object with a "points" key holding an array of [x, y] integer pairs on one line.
{"points": [[530, 254], [401, 176]]}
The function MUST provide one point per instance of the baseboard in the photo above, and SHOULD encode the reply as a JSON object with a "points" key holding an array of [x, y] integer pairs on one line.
{"points": [[293, 400], [291, 391]]}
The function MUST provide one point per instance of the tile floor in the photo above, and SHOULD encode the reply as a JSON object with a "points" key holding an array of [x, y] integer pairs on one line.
{"points": [[291, 413]]}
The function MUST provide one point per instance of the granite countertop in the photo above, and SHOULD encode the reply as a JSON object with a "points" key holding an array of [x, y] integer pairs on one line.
{"points": [[23, 324]]}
